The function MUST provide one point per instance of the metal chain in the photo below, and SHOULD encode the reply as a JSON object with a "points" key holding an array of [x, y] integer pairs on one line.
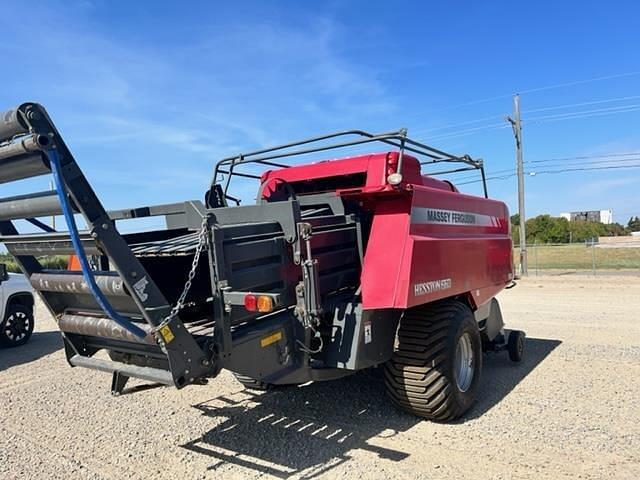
{"points": [[202, 241]]}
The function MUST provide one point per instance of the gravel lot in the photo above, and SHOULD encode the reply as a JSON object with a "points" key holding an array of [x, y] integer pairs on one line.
{"points": [[570, 410]]}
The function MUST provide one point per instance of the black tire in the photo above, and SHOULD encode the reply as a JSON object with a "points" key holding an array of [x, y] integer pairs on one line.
{"points": [[252, 384], [17, 326], [420, 376], [515, 345]]}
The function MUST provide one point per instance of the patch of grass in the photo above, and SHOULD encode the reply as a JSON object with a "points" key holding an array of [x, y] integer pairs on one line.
{"points": [[57, 262], [580, 257]]}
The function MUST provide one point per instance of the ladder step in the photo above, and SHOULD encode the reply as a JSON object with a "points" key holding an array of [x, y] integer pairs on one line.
{"points": [[144, 373], [37, 244], [101, 327], [23, 166], [62, 281], [40, 204]]}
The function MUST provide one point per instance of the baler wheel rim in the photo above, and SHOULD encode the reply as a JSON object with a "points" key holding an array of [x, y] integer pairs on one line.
{"points": [[463, 369]]}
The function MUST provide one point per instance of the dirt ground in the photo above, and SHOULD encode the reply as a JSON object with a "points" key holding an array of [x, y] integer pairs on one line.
{"points": [[570, 410]]}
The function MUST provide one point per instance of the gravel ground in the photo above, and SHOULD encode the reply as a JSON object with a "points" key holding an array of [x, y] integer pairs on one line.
{"points": [[570, 410]]}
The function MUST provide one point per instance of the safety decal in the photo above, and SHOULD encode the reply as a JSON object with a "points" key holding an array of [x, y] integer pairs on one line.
{"points": [[367, 332], [269, 339], [140, 287], [167, 334]]}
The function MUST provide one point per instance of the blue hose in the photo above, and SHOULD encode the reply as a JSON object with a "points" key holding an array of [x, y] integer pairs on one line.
{"points": [[54, 160]]}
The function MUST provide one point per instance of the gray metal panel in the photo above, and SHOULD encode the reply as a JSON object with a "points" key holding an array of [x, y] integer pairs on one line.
{"points": [[287, 214], [344, 258], [330, 238], [360, 338], [252, 278]]}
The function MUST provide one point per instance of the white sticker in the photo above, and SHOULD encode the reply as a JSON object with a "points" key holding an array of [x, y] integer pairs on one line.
{"points": [[425, 215], [367, 332], [433, 286], [140, 287]]}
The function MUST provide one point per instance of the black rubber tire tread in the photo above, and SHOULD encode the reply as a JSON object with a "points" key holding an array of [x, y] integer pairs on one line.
{"points": [[251, 383], [515, 355], [16, 307], [419, 376]]}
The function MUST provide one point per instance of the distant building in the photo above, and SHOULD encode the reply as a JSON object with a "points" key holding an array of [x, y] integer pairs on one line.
{"points": [[602, 216]]}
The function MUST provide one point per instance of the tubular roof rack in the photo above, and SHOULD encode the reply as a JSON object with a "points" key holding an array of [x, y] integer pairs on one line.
{"points": [[399, 139]]}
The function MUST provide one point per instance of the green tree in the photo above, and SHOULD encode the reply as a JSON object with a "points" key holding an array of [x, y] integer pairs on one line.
{"points": [[634, 224], [615, 230]]}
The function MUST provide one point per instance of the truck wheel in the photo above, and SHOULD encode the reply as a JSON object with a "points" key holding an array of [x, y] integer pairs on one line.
{"points": [[515, 345], [17, 327], [251, 383], [435, 370]]}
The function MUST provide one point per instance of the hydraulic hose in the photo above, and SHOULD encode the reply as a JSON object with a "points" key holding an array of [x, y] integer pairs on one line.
{"points": [[87, 273]]}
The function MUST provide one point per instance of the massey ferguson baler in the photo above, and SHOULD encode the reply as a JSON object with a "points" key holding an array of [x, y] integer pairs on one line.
{"points": [[339, 266]]}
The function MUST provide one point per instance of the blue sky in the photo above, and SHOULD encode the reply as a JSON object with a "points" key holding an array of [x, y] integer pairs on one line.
{"points": [[149, 94]]}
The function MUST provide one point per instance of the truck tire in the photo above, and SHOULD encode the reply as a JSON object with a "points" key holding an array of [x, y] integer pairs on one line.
{"points": [[252, 384], [435, 369], [17, 326]]}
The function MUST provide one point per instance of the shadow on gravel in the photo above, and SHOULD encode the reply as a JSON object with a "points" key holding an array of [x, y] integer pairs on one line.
{"points": [[500, 375], [40, 344], [305, 430], [310, 430]]}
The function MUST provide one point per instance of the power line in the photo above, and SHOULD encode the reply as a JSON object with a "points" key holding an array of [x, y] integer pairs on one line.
{"points": [[583, 114], [540, 119], [579, 82], [582, 104], [461, 124], [468, 131], [583, 157], [540, 89], [562, 164], [546, 172]]}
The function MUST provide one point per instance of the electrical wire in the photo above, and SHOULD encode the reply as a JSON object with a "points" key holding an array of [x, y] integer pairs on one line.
{"points": [[535, 110], [563, 164], [582, 114], [547, 172], [541, 89], [582, 104]]}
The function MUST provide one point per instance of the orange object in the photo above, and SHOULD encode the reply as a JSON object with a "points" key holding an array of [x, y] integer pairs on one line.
{"points": [[74, 263], [265, 304]]}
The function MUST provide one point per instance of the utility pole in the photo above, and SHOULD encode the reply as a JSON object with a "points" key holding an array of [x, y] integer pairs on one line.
{"points": [[517, 132]]}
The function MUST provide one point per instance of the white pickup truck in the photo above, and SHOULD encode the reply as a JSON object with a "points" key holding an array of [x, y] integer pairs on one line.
{"points": [[16, 308]]}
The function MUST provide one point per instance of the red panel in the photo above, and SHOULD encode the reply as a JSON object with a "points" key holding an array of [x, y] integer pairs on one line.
{"points": [[454, 244], [427, 240]]}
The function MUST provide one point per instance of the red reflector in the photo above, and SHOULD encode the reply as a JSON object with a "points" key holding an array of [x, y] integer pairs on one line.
{"points": [[251, 303]]}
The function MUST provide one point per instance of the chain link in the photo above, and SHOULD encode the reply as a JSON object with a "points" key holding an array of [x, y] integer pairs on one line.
{"points": [[202, 241]]}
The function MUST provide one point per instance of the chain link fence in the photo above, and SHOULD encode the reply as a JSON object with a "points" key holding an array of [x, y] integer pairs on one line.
{"points": [[591, 258]]}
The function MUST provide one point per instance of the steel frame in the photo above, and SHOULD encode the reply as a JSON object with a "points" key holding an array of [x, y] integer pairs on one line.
{"points": [[186, 359], [399, 139]]}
